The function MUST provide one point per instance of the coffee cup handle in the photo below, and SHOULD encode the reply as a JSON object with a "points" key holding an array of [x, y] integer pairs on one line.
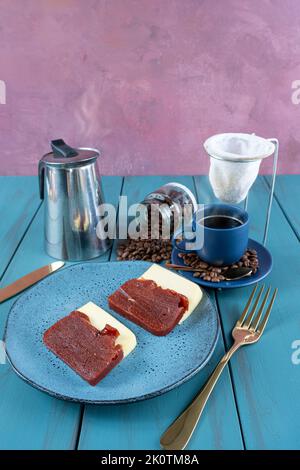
{"points": [[180, 245]]}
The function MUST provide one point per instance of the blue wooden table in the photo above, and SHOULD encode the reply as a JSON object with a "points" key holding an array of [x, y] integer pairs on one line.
{"points": [[256, 402]]}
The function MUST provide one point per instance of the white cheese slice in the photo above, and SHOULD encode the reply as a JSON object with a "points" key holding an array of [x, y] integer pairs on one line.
{"points": [[170, 280], [99, 318]]}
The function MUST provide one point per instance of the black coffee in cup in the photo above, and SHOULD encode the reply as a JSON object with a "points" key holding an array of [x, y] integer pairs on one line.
{"points": [[220, 221], [214, 242]]}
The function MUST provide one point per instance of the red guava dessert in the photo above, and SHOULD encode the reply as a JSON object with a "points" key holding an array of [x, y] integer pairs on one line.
{"points": [[155, 309], [89, 352]]}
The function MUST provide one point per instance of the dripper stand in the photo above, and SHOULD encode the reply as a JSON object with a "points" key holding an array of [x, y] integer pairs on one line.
{"points": [[271, 195]]}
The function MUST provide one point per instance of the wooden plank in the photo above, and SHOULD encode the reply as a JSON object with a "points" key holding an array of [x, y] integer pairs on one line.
{"points": [[287, 192], [266, 382], [22, 193], [139, 425], [31, 419]]}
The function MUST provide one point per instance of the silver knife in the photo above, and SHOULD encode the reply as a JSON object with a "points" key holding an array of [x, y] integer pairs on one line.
{"points": [[28, 280]]}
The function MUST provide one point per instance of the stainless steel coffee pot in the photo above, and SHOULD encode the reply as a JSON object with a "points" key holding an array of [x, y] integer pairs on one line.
{"points": [[70, 186]]}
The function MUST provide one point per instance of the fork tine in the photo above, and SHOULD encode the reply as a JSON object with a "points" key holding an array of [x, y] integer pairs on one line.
{"points": [[245, 311], [264, 321], [250, 317], [256, 320]]}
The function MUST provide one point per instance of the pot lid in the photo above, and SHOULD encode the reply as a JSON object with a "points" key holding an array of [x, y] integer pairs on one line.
{"points": [[64, 155], [238, 147]]}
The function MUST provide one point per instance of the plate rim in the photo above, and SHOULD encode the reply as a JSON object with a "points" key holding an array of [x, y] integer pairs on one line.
{"points": [[233, 284], [146, 396]]}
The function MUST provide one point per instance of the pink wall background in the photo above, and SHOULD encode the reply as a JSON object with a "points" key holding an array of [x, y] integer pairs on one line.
{"points": [[146, 81]]}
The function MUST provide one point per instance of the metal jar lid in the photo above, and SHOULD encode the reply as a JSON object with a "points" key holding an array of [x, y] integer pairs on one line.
{"points": [[65, 156]]}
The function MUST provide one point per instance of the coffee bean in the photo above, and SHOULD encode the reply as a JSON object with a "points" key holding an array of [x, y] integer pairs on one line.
{"points": [[217, 274], [160, 250], [203, 265]]}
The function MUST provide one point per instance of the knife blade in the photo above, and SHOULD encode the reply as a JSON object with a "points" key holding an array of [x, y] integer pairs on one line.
{"points": [[28, 280]]}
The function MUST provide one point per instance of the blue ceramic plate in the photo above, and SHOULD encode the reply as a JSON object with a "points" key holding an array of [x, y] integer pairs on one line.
{"points": [[265, 266], [157, 364]]}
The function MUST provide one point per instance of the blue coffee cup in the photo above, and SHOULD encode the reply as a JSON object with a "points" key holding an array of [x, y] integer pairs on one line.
{"points": [[223, 233]]}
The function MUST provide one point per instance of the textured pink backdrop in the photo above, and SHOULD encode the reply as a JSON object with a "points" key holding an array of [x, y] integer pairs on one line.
{"points": [[146, 81]]}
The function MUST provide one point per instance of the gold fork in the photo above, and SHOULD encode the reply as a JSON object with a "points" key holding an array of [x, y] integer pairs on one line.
{"points": [[248, 330]]}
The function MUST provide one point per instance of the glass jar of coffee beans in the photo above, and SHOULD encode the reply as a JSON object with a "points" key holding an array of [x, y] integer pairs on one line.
{"points": [[164, 211]]}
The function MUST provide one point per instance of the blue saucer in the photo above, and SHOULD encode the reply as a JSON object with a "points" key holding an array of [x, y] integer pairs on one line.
{"points": [[265, 266]]}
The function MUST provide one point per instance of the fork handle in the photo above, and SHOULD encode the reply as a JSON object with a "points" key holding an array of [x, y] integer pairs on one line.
{"points": [[178, 434]]}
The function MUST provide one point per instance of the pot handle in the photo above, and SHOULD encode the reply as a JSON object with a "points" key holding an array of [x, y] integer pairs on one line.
{"points": [[61, 149], [41, 178]]}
